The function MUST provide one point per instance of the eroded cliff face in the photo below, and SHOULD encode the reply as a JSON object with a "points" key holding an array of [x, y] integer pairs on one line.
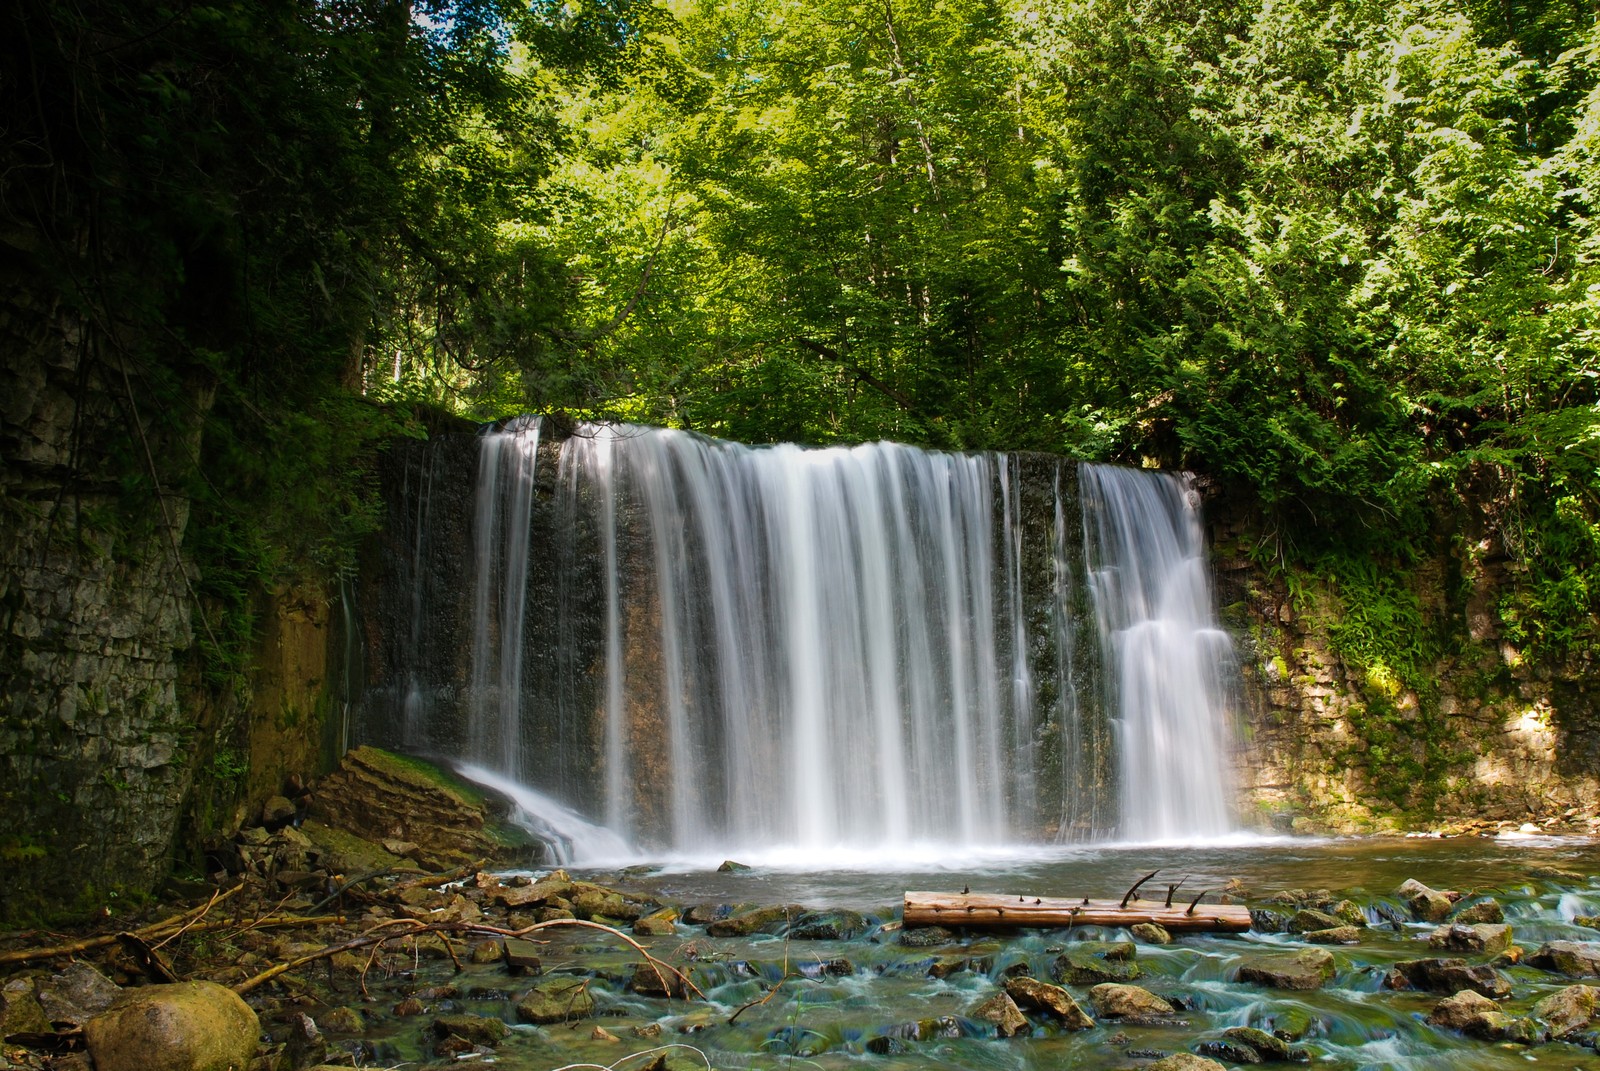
{"points": [[94, 616], [1339, 738], [115, 747]]}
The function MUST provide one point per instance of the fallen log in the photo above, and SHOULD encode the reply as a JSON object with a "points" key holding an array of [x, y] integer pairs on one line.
{"points": [[992, 911]]}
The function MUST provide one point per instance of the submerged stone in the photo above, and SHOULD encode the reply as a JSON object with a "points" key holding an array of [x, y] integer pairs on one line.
{"points": [[926, 936], [555, 1002], [1185, 1061], [477, 1029]]}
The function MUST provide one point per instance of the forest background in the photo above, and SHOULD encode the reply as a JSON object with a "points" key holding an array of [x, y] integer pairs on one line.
{"points": [[1344, 259]]}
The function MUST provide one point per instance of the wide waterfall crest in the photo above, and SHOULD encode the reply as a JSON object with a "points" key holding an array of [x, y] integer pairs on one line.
{"points": [[700, 647]]}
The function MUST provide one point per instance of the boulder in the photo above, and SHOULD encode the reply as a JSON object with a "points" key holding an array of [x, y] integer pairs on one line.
{"points": [[1485, 910], [1462, 1010], [1050, 999], [1264, 921], [650, 981], [1114, 1001], [1003, 1012], [660, 924], [1308, 968], [1151, 933], [1427, 904], [1447, 976], [1486, 937], [1568, 1011], [1350, 912], [1309, 921], [1269, 1048], [926, 936], [342, 1020], [478, 1029], [761, 920], [837, 925], [187, 1026], [1575, 959]]}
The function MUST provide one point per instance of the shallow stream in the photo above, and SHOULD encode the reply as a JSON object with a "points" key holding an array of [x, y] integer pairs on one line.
{"points": [[874, 1002]]}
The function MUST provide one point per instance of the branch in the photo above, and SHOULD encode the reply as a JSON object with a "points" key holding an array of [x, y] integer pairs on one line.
{"points": [[900, 398]]}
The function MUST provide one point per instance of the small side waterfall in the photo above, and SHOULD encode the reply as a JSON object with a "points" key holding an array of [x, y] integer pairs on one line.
{"points": [[1169, 666], [702, 646]]}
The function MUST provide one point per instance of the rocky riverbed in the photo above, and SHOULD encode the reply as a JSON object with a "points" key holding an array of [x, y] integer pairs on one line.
{"points": [[322, 939]]}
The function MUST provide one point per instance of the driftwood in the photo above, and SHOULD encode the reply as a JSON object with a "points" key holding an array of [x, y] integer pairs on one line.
{"points": [[995, 911]]}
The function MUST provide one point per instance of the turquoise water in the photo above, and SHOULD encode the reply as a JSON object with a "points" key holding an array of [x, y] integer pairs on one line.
{"points": [[873, 1002]]}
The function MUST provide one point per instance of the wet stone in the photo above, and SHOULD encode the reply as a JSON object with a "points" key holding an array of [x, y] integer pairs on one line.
{"points": [[1051, 999], [1429, 905], [1151, 933], [1308, 921], [1486, 910], [926, 937], [1115, 1001], [1461, 1010], [761, 920], [1307, 969], [1264, 1045], [1228, 1052], [1337, 935], [488, 952], [1568, 1011], [522, 956], [555, 1002], [1185, 1061], [1575, 959], [1264, 921], [1003, 1012], [1483, 937], [838, 925], [1447, 976]]}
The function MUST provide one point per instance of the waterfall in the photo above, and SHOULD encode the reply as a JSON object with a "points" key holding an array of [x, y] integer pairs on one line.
{"points": [[1168, 663], [701, 646]]}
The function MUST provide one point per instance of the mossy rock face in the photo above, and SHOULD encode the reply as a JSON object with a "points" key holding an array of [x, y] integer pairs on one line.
{"points": [[376, 794]]}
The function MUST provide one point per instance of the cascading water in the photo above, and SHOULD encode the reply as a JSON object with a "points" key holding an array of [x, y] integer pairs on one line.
{"points": [[709, 647], [1168, 664]]}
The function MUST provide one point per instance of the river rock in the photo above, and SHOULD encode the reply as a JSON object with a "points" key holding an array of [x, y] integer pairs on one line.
{"points": [[1264, 921], [1308, 921], [1003, 1012], [1185, 1061], [1350, 912], [1269, 1048], [1338, 935], [1485, 910], [836, 925], [1461, 1010], [1427, 904], [1050, 999], [1115, 1001], [1568, 1011], [1575, 959], [1487, 937], [1308, 968], [555, 1002], [478, 1029], [761, 920], [342, 1020], [926, 936], [1447, 976], [187, 1026], [1151, 933], [660, 924], [649, 981]]}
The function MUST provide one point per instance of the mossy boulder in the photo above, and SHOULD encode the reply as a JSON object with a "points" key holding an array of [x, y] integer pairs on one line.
{"points": [[1309, 968], [188, 1026]]}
